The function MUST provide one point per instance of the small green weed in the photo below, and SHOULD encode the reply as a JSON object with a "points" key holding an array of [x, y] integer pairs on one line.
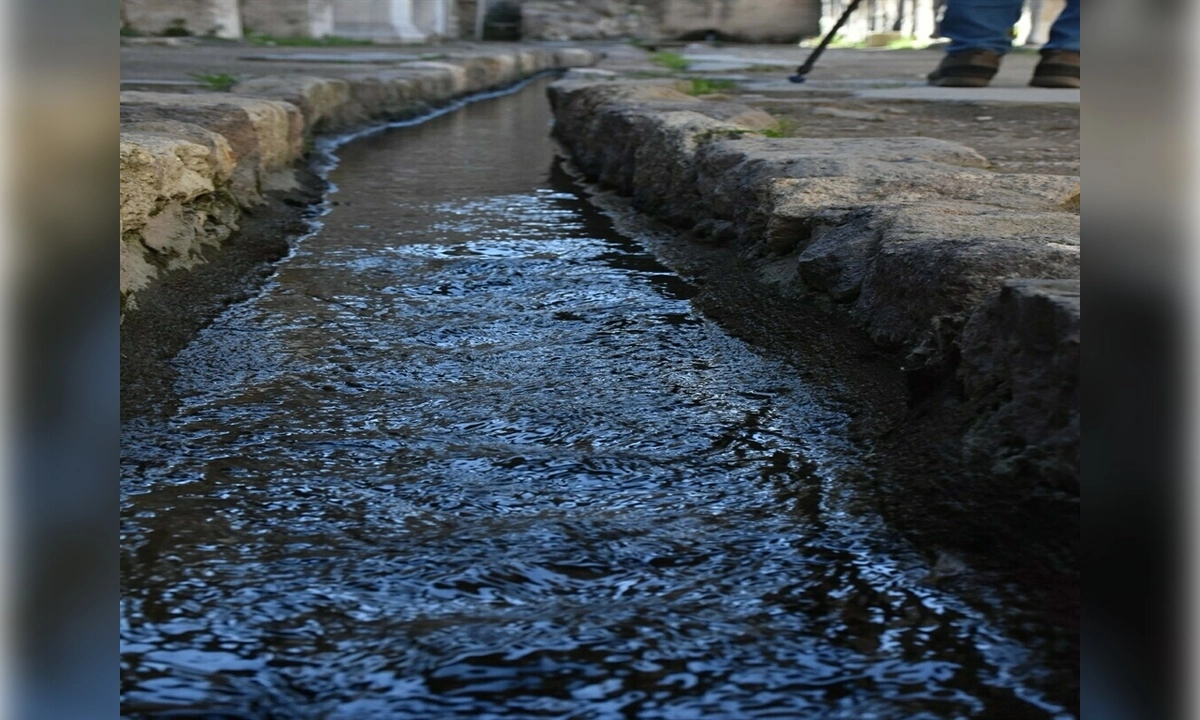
{"points": [[706, 86], [220, 82], [785, 127], [671, 61]]}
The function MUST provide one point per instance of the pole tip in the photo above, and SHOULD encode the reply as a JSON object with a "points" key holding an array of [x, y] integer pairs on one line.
{"points": [[797, 78]]}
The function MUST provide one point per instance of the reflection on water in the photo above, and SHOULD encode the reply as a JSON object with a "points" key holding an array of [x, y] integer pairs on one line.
{"points": [[470, 454]]}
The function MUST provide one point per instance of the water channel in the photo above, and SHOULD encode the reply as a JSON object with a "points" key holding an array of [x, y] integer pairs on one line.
{"points": [[470, 453]]}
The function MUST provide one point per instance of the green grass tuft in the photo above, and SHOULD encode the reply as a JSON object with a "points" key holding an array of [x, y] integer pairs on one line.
{"points": [[219, 82], [786, 127], [671, 61], [706, 86]]}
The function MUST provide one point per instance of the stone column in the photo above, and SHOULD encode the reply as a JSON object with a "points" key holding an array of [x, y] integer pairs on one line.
{"points": [[381, 20], [403, 26], [321, 17], [431, 17], [289, 18]]}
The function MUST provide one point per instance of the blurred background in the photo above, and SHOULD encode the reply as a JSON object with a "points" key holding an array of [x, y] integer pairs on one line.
{"points": [[880, 23]]}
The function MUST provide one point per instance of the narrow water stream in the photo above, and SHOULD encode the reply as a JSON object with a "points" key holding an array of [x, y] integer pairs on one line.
{"points": [[472, 454]]}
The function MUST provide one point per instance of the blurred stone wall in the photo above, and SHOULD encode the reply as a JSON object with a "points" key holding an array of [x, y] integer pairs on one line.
{"points": [[288, 18], [745, 20], [735, 20], [875, 22], [217, 18]]}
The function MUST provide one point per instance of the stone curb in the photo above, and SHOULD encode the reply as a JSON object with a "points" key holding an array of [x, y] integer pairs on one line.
{"points": [[191, 164], [914, 237], [1022, 346]]}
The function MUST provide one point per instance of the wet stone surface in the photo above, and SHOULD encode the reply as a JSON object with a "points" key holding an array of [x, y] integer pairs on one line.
{"points": [[472, 454]]}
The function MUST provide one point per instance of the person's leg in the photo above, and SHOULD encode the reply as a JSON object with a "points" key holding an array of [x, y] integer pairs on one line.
{"points": [[1064, 33], [1059, 66], [979, 32], [980, 24]]}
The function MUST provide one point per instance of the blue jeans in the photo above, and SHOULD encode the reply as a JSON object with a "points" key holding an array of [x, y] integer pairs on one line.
{"points": [[985, 24]]}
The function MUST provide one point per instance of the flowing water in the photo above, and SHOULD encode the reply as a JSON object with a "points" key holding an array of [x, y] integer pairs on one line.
{"points": [[470, 453]]}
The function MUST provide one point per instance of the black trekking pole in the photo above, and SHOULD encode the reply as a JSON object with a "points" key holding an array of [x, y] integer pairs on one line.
{"points": [[807, 67]]}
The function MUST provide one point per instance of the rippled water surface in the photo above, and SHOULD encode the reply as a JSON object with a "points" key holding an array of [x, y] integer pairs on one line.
{"points": [[472, 454]]}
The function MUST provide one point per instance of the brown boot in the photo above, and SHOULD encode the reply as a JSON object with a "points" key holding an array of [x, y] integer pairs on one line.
{"points": [[1057, 69], [968, 68]]}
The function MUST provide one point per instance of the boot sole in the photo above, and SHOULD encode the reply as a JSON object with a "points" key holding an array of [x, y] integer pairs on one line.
{"points": [[961, 82], [1054, 82]]}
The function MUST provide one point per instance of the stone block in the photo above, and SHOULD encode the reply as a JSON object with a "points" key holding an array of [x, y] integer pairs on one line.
{"points": [[651, 132], [220, 158], [490, 72], [935, 262], [1020, 356], [322, 101], [443, 79], [171, 204], [789, 205], [384, 94], [265, 135], [156, 169]]}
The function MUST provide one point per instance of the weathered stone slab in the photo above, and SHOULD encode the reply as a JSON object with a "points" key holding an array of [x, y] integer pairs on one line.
{"points": [[450, 78], [490, 72], [772, 187], [385, 94], [156, 168], [933, 263], [678, 166], [265, 135], [825, 157], [220, 159], [321, 100], [170, 201], [795, 209], [651, 131], [568, 57]]}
